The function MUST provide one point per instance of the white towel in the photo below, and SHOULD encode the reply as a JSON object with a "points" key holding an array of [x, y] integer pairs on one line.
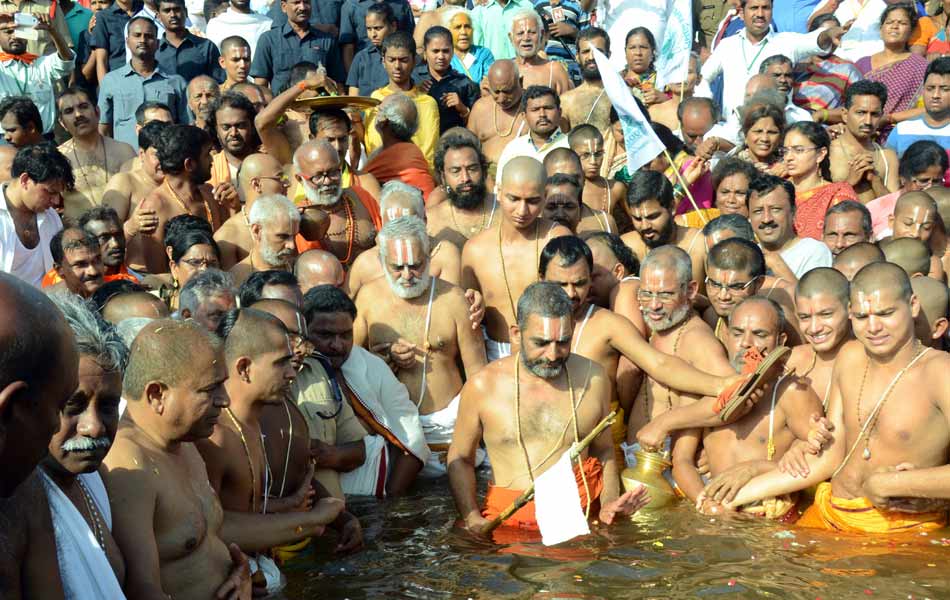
{"points": [[557, 505], [438, 428], [276, 581], [364, 480], [495, 350], [83, 566]]}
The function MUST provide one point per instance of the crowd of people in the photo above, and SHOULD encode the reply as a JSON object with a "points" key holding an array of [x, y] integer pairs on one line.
{"points": [[261, 257]]}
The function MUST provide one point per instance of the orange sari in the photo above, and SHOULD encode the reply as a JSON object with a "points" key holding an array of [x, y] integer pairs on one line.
{"points": [[811, 206]]}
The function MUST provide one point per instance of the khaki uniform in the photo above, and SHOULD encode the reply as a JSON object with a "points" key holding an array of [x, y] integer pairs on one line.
{"points": [[708, 14]]}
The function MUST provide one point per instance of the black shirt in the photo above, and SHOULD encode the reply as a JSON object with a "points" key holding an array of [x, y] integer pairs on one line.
{"points": [[279, 49], [353, 20], [322, 12], [109, 32], [453, 81], [195, 56]]}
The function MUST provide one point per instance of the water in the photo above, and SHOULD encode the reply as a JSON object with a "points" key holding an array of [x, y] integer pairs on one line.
{"points": [[412, 551]]}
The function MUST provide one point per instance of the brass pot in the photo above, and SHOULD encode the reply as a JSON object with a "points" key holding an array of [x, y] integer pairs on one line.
{"points": [[649, 472]]}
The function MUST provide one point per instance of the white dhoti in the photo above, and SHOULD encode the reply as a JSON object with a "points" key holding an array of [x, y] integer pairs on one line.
{"points": [[369, 479], [272, 575], [438, 428], [83, 566], [495, 350]]}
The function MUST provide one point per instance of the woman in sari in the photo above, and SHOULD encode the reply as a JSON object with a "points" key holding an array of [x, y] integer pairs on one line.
{"points": [[805, 151], [190, 251], [471, 60], [730, 181], [900, 70], [762, 126], [939, 43], [640, 72]]}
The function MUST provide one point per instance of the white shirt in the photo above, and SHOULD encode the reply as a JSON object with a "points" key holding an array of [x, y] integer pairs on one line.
{"points": [[738, 59], [29, 264], [524, 146], [806, 255], [36, 81], [249, 26], [864, 37]]}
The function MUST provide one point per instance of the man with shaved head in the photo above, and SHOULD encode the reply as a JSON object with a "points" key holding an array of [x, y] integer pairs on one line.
{"points": [[401, 154], [258, 356], [259, 175], [498, 118], [887, 460], [202, 92], [909, 254], [318, 267], [915, 216], [502, 261], [566, 177], [136, 304], [854, 258], [342, 221], [38, 374], [931, 323]]}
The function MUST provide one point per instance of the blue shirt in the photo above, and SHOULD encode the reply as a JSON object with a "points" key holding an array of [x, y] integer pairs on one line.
{"points": [[123, 90], [109, 33], [907, 132], [77, 20], [367, 72], [353, 20], [792, 15], [479, 68], [453, 81], [281, 48], [193, 57]]}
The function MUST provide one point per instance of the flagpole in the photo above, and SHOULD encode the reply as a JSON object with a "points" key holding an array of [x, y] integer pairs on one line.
{"points": [[685, 186]]}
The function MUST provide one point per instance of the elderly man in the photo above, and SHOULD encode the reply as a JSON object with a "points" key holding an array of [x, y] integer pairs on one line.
{"points": [[259, 175], [126, 189], [77, 263], [846, 224], [318, 267], [38, 375], [527, 34], [91, 562], [342, 221], [334, 125], [698, 120], [274, 222], [392, 434], [425, 346], [207, 297], [157, 482], [202, 92], [398, 155], [542, 112], [498, 117]]}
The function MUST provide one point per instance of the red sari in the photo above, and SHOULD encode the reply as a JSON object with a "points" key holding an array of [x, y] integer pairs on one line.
{"points": [[811, 206]]}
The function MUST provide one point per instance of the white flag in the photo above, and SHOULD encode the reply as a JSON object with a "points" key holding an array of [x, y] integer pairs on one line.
{"points": [[557, 504], [672, 60], [641, 141]]}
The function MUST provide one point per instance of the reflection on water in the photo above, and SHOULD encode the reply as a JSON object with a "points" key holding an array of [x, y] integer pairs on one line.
{"points": [[413, 552]]}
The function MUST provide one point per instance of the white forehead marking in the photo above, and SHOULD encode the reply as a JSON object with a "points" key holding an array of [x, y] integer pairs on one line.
{"points": [[400, 252], [554, 328], [865, 300], [590, 146], [394, 212], [405, 255]]}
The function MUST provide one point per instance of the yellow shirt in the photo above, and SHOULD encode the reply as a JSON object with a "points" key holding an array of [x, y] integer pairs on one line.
{"points": [[426, 136]]}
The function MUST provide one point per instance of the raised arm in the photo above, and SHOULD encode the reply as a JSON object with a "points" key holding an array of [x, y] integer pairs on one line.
{"points": [[266, 120]]}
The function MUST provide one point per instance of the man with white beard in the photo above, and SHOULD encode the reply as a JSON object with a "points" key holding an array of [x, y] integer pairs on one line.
{"points": [[419, 324], [274, 223], [340, 221]]}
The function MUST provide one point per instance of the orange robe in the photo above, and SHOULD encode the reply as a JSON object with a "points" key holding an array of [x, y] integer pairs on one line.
{"points": [[858, 515], [405, 162], [372, 207]]}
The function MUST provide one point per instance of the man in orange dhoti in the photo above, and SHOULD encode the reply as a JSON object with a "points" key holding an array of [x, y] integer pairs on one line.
{"points": [[398, 158]]}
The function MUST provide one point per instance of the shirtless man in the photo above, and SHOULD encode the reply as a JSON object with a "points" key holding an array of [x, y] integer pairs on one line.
{"points": [[930, 325], [202, 92], [587, 103], [735, 269], [615, 279], [401, 200], [562, 204], [135, 304], [231, 121], [126, 189], [419, 324], [527, 32], [184, 153], [650, 206], [852, 260], [334, 126], [738, 452], [886, 460], [915, 216], [846, 224], [600, 193], [235, 59], [909, 254], [166, 516], [274, 223], [855, 155], [258, 175], [502, 261], [38, 375], [258, 356], [533, 378], [462, 171], [498, 118], [318, 267]]}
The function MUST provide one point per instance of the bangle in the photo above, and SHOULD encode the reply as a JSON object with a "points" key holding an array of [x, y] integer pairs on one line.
{"points": [[302, 86]]}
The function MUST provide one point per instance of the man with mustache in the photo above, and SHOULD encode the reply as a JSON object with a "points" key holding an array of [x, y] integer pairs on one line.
{"points": [[274, 223], [77, 264], [202, 92], [95, 158], [231, 122], [21, 122], [855, 155], [542, 112], [207, 297], [103, 223], [526, 33], [184, 154], [91, 562], [258, 356], [420, 324], [235, 59], [126, 189], [650, 206], [587, 103], [735, 270], [461, 169], [846, 224], [497, 118], [182, 52], [771, 204], [562, 204], [157, 481], [334, 125]]}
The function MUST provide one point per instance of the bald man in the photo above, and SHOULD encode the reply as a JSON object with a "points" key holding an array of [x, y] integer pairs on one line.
{"points": [[497, 118], [318, 267], [564, 161], [501, 262], [202, 92], [854, 258], [599, 193], [38, 374], [259, 175], [909, 254], [915, 216], [930, 325], [887, 460], [136, 304], [126, 189]]}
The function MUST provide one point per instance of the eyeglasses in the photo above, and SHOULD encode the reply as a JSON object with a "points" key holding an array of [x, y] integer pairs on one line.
{"points": [[332, 175], [281, 179], [201, 263], [795, 150], [664, 297], [927, 182], [734, 288]]}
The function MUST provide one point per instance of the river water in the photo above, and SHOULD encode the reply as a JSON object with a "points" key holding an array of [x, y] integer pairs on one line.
{"points": [[412, 551]]}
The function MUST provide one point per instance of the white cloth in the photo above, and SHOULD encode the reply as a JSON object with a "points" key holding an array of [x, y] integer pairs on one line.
{"points": [[524, 146], [438, 428], [36, 81], [806, 255], [618, 17], [368, 479], [796, 114], [864, 37], [737, 59], [495, 350], [249, 26], [83, 565], [275, 580], [557, 504], [28, 264]]}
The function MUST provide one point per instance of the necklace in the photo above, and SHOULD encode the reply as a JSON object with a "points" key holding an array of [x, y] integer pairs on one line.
{"points": [[184, 206], [494, 114], [82, 169], [349, 228], [93, 514], [504, 269], [669, 392], [250, 461], [471, 230]]}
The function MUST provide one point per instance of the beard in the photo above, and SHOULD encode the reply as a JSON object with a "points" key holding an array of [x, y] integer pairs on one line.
{"points": [[469, 199], [542, 367], [325, 195], [276, 259], [590, 73], [417, 286], [677, 316], [665, 237]]}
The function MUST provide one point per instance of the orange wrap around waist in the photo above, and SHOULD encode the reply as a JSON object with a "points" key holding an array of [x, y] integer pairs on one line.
{"points": [[858, 515]]}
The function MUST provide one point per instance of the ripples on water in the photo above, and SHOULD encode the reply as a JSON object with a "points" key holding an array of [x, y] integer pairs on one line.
{"points": [[412, 551]]}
